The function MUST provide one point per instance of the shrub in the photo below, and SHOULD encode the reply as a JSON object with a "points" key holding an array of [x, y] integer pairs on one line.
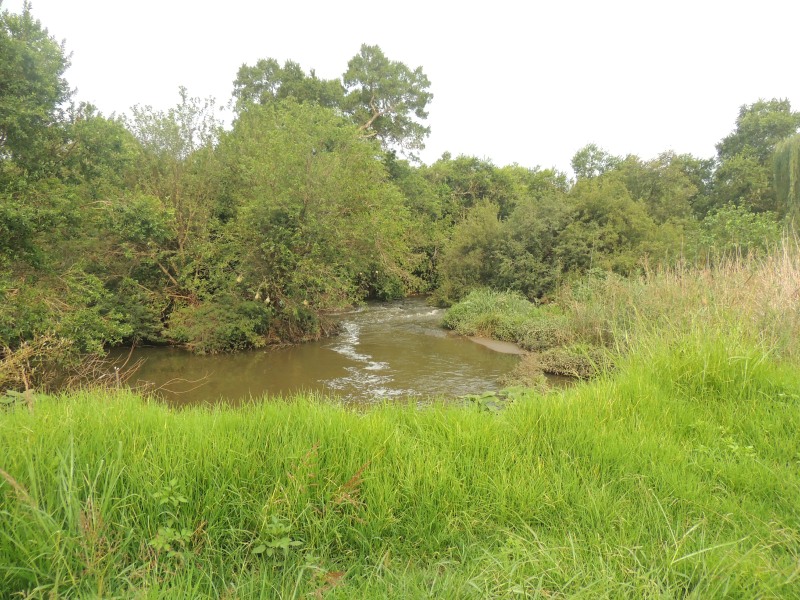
{"points": [[225, 323]]}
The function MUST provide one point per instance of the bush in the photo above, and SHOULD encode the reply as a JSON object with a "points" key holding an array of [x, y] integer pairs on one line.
{"points": [[225, 323]]}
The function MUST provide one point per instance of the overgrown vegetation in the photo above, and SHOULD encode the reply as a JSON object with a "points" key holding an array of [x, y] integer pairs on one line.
{"points": [[596, 318], [166, 227], [674, 474]]}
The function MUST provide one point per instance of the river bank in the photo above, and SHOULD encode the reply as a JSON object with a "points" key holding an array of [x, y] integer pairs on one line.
{"points": [[588, 325]]}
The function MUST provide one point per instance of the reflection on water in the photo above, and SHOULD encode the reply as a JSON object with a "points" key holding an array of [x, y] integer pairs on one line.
{"points": [[390, 350]]}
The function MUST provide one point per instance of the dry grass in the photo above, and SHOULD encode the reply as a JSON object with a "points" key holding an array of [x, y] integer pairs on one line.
{"points": [[599, 319], [754, 297]]}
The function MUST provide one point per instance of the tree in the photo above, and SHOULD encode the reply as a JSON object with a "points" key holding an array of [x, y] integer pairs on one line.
{"points": [[267, 81], [742, 180], [605, 228], [759, 127], [98, 154], [471, 256], [735, 230], [528, 260], [32, 91], [661, 184], [745, 172], [319, 224], [177, 166], [466, 181], [787, 176], [386, 99], [592, 161]]}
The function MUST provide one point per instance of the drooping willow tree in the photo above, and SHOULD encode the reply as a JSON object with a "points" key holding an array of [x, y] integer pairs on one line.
{"points": [[787, 176]]}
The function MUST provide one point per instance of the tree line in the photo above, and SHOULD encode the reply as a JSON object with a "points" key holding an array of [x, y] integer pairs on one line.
{"points": [[166, 227]]}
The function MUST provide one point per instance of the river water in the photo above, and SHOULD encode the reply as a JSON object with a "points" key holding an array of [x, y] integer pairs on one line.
{"points": [[391, 350]]}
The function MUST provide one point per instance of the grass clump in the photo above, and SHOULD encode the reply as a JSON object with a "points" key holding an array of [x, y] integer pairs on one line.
{"points": [[508, 317]]}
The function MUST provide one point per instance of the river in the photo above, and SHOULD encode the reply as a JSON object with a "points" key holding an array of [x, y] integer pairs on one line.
{"points": [[390, 350]]}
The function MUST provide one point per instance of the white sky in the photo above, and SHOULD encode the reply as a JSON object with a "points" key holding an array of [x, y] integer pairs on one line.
{"points": [[524, 82]]}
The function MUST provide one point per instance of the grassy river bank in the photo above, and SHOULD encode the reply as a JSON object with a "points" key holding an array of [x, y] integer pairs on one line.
{"points": [[676, 474]]}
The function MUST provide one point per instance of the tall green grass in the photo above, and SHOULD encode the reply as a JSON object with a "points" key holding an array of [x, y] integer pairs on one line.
{"points": [[678, 476]]}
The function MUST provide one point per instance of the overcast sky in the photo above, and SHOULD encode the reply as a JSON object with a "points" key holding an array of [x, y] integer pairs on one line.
{"points": [[515, 82]]}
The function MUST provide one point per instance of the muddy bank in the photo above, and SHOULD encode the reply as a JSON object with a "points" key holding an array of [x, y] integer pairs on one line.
{"points": [[498, 346]]}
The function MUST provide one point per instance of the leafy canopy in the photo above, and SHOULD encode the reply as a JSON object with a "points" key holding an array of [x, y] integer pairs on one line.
{"points": [[32, 88], [267, 81], [386, 98]]}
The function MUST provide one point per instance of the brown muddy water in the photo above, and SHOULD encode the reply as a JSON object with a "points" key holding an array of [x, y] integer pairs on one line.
{"points": [[393, 350]]}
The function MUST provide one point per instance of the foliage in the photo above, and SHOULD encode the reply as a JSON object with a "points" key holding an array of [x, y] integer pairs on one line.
{"points": [[166, 226], [319, 223], [223, 323], [493, 402], [787, 176], [759, 128], [508, 317], [745, 171], [606, 228], [592, 161], [529, 261], [742, 180], [662, 185], [99, 154], [470, 257], [751, 294], [387, 99], [736, 230], [267, 81], [32, 66], [75, 307]]}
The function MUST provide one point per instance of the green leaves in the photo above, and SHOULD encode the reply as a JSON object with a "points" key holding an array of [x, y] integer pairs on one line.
{"points": [[495, 402], [267, 82], [170, 495], [275, 538], [592, 161], [171, 542], [316, 209], [745, 173], [786, 164], [386, 97], [759, 127], [31, 67]]}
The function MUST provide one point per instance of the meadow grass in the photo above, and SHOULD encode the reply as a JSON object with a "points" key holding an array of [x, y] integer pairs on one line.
{"points": [[676, 476]]}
